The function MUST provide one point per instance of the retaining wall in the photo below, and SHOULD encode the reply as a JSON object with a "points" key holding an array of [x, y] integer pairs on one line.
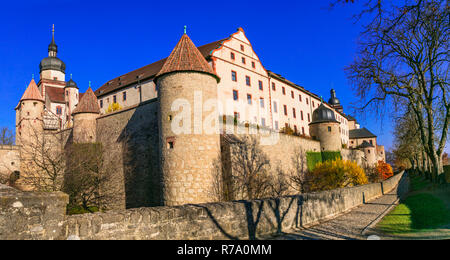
{"points": [[229, 220]]}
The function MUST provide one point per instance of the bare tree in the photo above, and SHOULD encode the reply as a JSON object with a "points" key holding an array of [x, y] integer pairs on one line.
{"points": [[6, 136], [279, 183], [299, 176], [88, 175], [43, 161], [403, 58], [244, 172]]}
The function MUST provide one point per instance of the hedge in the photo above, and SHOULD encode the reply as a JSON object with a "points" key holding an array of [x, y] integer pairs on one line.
{"points": [[331, 156], [313, 158]]}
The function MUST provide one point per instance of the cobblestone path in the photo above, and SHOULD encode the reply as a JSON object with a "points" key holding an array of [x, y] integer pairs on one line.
{"points": [[354, 225]]}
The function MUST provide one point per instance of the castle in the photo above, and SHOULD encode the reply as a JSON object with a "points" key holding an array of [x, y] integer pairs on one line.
{"points": [[170, 123]]}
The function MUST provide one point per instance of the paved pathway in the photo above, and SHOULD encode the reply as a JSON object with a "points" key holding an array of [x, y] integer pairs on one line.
{"points": [[354, 225]]}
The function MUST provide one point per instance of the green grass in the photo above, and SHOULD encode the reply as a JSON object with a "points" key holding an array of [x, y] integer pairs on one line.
{"points": [[424, 210], [420, 212], [417, 183]]}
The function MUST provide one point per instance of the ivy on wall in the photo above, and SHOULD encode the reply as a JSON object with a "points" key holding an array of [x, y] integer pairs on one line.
{"points": [[313, 158]]}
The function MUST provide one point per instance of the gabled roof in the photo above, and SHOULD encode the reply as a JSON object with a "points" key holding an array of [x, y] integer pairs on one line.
{"points": [[55, 94], [88, 103], [360, 133], [148, 71], [186, 57], [32, 92]]}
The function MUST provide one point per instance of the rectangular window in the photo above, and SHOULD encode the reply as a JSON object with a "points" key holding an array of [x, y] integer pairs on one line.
{"points": [[253, 64], [235, 95], [236, 115], [295, 129], [242, 47], [114, 99], [243, 60], [58, 110], [283, 90], [329, 129], [260, 83], [101, 103], [309, 119], [307, 101], [249, 99], [233, 76], [275, 107], [300, 98], [303, 131], [124, 96], [301, 115], [293, 113], [232, 56], [313, 103], [276, 125], [261, 102], [292, 94], [285, 110], [273, 86], [248, 81]]}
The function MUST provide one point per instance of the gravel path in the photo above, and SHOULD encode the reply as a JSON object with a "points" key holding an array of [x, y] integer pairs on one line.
{"points": [[354, 225]]}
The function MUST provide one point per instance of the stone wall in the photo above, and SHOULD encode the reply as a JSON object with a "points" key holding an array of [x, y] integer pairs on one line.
{"points": [[41, 216], [9, 160], [353, 155], [31, 215]]}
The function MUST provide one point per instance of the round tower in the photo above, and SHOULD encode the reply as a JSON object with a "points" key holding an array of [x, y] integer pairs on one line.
{"points": [[71, 93], [370, 153], [85, 118], [188, 148], [29, 116], [325, 128]]}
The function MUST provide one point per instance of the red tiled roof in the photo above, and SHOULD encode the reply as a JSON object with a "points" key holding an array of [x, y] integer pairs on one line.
{"points": [[32, 92], [88, 103], [186, 57], [148, 71], [55, 94]]}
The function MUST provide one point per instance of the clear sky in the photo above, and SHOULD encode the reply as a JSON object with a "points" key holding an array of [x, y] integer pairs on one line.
{"points": [[304, 41]]}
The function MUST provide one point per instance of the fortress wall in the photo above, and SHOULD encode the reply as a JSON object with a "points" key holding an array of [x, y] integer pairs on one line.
{"points": [[130, 142], [353, 155], [9, 160], [279, 148]]}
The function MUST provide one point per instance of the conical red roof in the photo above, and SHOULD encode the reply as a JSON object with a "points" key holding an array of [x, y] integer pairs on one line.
{"points": [[32, 92], [186, 57], [88, 103]]}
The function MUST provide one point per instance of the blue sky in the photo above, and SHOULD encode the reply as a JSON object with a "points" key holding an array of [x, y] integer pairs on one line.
{"points": [[99, 40]]}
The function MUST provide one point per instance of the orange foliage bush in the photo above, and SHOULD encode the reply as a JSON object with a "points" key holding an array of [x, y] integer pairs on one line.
{"points": [[385, 170]]}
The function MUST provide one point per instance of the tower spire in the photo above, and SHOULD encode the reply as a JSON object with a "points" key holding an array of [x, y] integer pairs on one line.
{"points": [[52, 47], [53, 33]]}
